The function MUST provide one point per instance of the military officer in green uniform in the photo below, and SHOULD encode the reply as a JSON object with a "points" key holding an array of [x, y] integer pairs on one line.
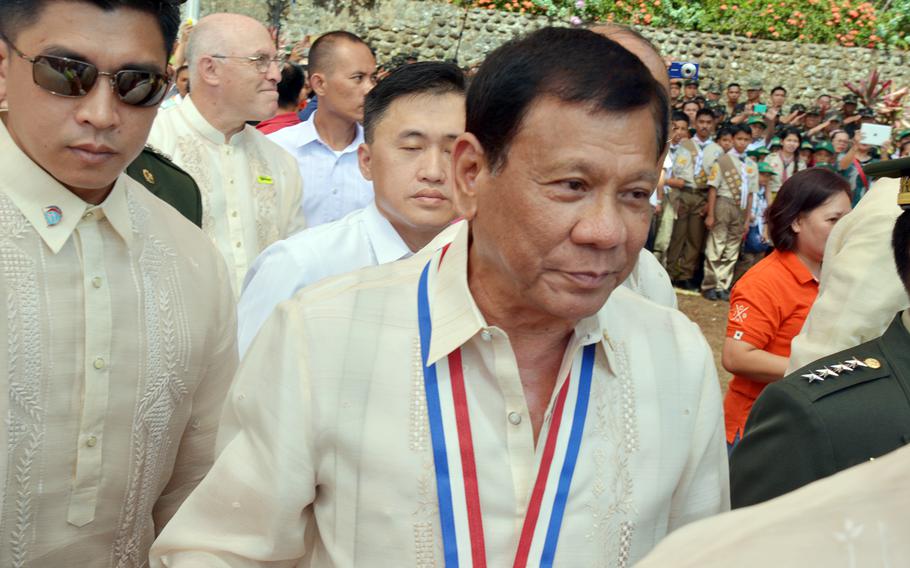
{"points": [[168, 182], [841, 410]]}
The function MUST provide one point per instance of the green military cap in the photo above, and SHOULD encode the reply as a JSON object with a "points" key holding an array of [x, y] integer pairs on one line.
{"points": [[849, 99], [168, 182], [813, 110], [765, 168], [899, 168], [903, 134], [715, 88], [756, 120], [806, 145], [754, 85], [823, 146], [775, 141], [688, 82]]}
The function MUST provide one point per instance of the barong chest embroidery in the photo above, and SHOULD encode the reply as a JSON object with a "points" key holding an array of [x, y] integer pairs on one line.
{"points": [[457, 485]]}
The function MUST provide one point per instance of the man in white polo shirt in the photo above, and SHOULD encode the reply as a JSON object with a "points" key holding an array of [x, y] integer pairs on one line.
{"points": [[411, 121], [342, 71]]}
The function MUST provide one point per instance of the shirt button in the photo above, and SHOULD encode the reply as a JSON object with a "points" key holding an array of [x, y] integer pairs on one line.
{"points": [[91, 442], [486, 335], [514, 418], [234, 213], [96, 282], [230, 181], [239, 244], [88, 215], [99, 363], [335, 190]]}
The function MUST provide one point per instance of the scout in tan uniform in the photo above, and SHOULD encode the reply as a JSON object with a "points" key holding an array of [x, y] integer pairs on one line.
{"points": [[694, 159], [731, 185]]}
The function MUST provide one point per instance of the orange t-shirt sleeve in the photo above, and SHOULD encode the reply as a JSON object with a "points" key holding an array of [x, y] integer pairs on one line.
{"points": [[754, 316]]}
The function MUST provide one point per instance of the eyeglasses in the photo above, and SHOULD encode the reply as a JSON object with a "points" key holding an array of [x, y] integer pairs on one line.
{"points": [[262, 62], [72, 78]]}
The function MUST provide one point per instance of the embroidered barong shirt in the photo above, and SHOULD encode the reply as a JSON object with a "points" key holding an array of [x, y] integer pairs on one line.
{"points": [[251, 188], [119, 345], [334, 448]]}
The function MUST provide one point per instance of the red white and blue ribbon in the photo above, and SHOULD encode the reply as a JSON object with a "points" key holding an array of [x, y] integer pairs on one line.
{"points": [[457, 486]]}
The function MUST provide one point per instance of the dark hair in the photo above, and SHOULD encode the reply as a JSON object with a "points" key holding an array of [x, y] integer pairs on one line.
{"points": [[292, 80], [18, 14], [900, 241], [725, 131], [421, 78], [737, 128], [731, 85], [679, 116], [602, 74], [802, 193], [705, 112], [778, 88], [320, 57], [692, 102]]}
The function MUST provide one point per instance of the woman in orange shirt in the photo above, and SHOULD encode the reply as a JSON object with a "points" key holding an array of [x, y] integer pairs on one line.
{"points": [[770, 302]]}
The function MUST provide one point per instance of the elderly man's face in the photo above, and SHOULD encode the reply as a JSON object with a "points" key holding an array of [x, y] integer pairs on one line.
{"points": [[564, 219], [85, 143], [252, 93]]}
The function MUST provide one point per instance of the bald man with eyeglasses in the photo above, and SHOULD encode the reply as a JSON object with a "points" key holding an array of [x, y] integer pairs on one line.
{"points": [[251, 187], [117, 315]]}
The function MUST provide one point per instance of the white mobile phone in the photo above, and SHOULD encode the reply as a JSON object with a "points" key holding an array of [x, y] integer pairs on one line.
{"points": [[875, 134]]}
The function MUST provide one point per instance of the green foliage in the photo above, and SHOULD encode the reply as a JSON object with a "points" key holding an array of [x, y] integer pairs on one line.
{"points": [[845, 22]]}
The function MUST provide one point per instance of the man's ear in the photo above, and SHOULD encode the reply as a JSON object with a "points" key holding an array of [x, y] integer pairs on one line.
{"points": [[207, 71], [4, 68], [317, 83], [468, 165], [365, 161]]}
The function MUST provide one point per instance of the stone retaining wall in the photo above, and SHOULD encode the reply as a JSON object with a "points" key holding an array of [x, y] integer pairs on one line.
{"points": [[432, 30]]}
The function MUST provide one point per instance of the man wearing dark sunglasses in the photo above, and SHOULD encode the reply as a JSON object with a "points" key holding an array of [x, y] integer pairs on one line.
{"points": [[117, 315], [251, 187]]}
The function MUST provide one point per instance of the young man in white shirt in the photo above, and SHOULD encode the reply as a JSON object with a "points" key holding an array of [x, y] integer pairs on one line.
{"points": [[251, 189], [342, 70], [117, 319], [502, 400], [411, 121]]}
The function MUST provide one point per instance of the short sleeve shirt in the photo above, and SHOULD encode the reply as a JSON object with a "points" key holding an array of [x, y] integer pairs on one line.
{"points": [[767, 309]]}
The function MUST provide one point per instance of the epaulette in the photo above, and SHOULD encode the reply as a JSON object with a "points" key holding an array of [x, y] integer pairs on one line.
{"points": [[838, 372], [161, 156]]}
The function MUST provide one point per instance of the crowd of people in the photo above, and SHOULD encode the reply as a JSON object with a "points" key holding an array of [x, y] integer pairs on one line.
{"points": [[263, 312]]}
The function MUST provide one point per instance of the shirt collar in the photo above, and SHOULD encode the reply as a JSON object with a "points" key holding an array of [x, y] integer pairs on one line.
{"points": [[37, 194], [796, 267], [198, 122], [307, 133], [388, 246], [456, 317]]}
